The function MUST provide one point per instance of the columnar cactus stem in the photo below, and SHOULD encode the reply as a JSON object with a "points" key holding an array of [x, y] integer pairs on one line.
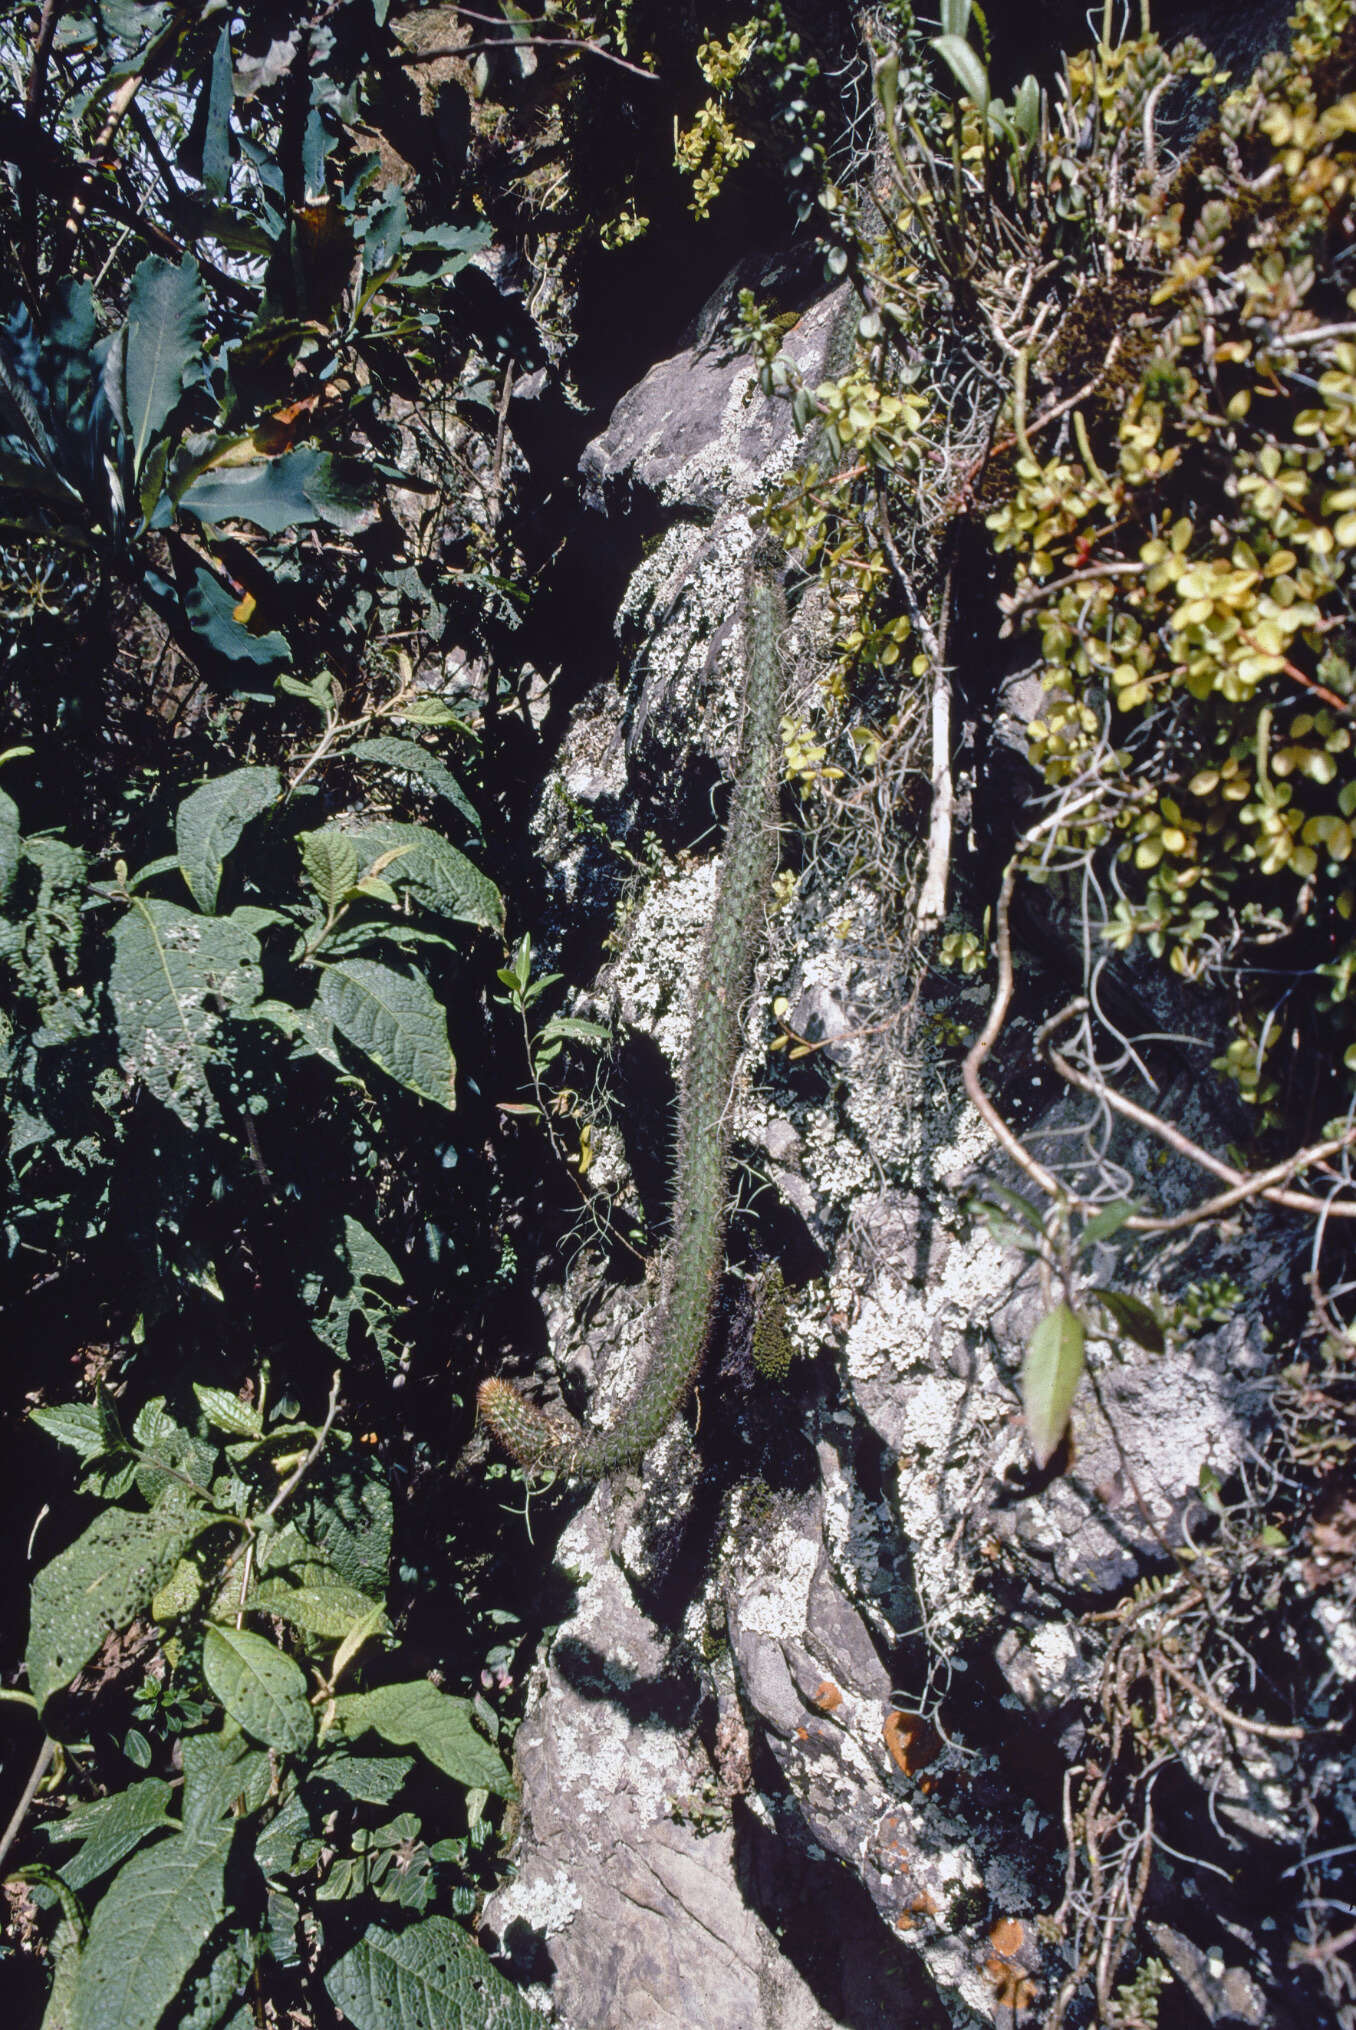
{"points": [[696, 1249]]}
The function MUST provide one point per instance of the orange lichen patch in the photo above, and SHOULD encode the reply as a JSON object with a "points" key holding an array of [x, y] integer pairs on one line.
{"points": [[1008, 1936], [1012, 1983], [828, 1698], [911, 1741], [921, 1905]]}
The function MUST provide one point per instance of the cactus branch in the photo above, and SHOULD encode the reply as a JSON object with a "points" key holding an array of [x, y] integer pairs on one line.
{"points": [[696, 1249]]}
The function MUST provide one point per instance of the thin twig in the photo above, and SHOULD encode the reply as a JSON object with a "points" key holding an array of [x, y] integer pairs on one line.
{"points": [[30, 1791], [294, 1480], [1222, 1712], [512, 41]]}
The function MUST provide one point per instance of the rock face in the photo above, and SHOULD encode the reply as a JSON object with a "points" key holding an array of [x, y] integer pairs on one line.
{"points": [[797, 1757]]}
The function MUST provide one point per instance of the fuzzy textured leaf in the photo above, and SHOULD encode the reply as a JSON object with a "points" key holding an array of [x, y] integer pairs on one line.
{"points": [[259, 1687], [147, 1930], [10, 840], [330, 1611], [110, 1829], [412, 759], [331, 864], [429, 1975], [418, 1715], [100, 1582], [395, 1019], [210, 821], [442, 878], [166, 319], [1051, 1372], [174, 975]]}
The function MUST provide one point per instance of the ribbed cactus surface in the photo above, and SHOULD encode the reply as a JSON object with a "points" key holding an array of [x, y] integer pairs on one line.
{"points": [[696, 1247]]}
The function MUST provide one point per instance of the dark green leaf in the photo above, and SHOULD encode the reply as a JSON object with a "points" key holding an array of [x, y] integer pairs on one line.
{"points": [[105, 1578], [1134, 1317], [412, 759], [260, 1688], [1108, 1221], [110, 1829], [294, 491], [210, 820], [166, 319], [174, 975], [394, 1019], [368, 1779], [221, 1775], [1051, 1373], [88, 1428], [147, 1930], [331, 863], [227, 1413], [210, 607], [430, 1976], [418, 1715], [216, 146], [347, 1515], [440, 876], [331, 1610]]}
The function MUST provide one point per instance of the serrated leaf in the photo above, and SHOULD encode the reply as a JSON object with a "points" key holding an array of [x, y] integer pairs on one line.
{"points": [[293, 491], [174, 975], [1051, 1372], [166, 319], [227, 1413], [367, 1779], [431, 1974], [395, 1019], [209, 822], [1134, 1318], [1108, 1221], [330, 863], [87, 1428], [440, 1726], [261, 1688], [147, 1930], [105, 1578], [412, 759], [110, 1829], [331, 1611], [442, 878]]}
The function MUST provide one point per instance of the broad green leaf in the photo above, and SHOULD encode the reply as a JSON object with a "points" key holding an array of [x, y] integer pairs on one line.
{"points": [[431, 712], [967, 67], [1051, 1373], [110, 1829], [260, 1687], [105, 1578], [166, 319], [216, 143], [394, 1019], [440, 1726], [441, 877], [412, 759], [221, 1776], [1134, 1318], [431, 1976], [10, 841], [88, 1428], [293, 491], [1105, 1223], [348, 1516], [367, 1258], [211, 609], [174, 975], [209, 822], [179, 1594], [330, 861], [368, 1779], [227, 1413], [575, 1027], [147, 1930], [331, 1611]]}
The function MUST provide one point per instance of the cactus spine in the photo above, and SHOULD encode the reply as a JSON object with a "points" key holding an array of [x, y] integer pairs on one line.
{"points": [[696, 1248]]}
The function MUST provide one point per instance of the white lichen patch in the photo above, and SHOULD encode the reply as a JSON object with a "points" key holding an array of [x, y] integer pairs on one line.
{"points": [[652, 979], [545, 1903], [776, 1604]]}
